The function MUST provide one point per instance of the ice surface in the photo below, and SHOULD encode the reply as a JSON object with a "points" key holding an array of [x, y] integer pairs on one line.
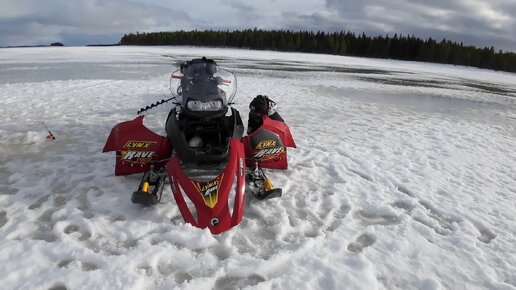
{"points": [[404, 176]]}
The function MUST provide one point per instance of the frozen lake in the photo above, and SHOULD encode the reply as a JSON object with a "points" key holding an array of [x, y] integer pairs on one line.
{"points": [[403, 177]]}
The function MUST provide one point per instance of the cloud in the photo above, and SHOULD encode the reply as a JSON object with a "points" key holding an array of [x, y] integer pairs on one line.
{"points": [[465, 19], [31, 22], [478, 22]]}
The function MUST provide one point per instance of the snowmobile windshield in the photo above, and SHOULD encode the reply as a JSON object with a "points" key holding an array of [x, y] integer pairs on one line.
{"points": [[203, 86]]}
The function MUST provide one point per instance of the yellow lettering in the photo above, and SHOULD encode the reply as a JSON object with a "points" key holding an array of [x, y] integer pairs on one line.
{"points": [[266, 144], [138, 144]]}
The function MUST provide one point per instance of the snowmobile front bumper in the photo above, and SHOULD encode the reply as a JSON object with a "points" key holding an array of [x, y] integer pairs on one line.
{"points": [[211, 199]]}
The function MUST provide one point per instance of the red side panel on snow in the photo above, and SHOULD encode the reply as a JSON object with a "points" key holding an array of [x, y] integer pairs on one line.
{"points": [[211, 199], [135, 147], [269, 144]]}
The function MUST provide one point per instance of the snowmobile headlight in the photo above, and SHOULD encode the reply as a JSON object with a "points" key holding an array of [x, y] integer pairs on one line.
{"points": [[213, 105], [205, 106]]}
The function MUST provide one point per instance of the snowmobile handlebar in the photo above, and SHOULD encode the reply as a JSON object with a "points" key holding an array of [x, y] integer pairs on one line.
{"points": [[219, 79]]}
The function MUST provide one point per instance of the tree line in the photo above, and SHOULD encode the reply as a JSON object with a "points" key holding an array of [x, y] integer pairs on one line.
{"points": [[338, 43]]}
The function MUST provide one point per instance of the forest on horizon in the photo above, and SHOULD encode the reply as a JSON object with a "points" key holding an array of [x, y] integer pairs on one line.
{"points": [[337, 43]]}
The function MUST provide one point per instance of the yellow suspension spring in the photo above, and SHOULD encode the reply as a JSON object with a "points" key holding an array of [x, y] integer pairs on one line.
{"points": [[145, 187], [267, 184]]}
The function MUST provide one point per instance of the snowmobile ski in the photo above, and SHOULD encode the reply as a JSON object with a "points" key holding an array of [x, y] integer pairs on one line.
{"points": [[144, 198], [151, 187], [260, 185], [267, 194]]}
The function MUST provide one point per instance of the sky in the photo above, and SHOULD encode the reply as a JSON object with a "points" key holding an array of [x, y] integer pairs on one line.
{"points": [[79, 22]]}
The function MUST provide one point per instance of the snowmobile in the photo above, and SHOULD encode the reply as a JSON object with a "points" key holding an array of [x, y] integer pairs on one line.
{"points": [[203, 155]]}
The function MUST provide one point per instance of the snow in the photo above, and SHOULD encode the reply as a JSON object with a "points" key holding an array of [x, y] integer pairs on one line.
{"points": [[404, 176]]}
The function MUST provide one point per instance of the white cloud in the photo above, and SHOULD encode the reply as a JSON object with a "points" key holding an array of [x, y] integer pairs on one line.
{"points": [[51, 19], [473, 19], [480, 22]]}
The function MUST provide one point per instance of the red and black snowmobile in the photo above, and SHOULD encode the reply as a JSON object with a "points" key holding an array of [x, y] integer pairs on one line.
{"points": [[203, 155]]}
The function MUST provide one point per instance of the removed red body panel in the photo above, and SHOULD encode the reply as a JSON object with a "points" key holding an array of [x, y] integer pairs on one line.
{"points": [[269, 144], [135, 146]]}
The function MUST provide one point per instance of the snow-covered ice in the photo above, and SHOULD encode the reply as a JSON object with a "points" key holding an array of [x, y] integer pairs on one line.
{"points": [[404, 176]]}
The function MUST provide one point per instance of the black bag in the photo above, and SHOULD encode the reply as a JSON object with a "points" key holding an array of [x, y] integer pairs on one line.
{"points": [[259, 105]]}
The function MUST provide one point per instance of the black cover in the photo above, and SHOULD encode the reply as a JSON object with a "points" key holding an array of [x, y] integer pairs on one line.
{"points": [[216, 134], [259, 105]]}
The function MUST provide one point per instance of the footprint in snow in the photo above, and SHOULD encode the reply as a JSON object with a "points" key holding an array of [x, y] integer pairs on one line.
{"points": [[117, 218], [368, 218], [85, 266], [405, 191], [58, 286], [60, 201], [362, 242], [71, 229], [362, 175], [433, 218], [182, 277], [486, 236], [3, 218], [64, 263], [445, 222], [39, 202], [146, 269], [338, 217], [231, 282], [405, 205]]}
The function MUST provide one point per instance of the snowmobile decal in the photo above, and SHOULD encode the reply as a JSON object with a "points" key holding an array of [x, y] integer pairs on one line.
{"points": [[241, 167], [139, 157], [209, 190], [138, 144], [266, 144], [268, 154]]}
